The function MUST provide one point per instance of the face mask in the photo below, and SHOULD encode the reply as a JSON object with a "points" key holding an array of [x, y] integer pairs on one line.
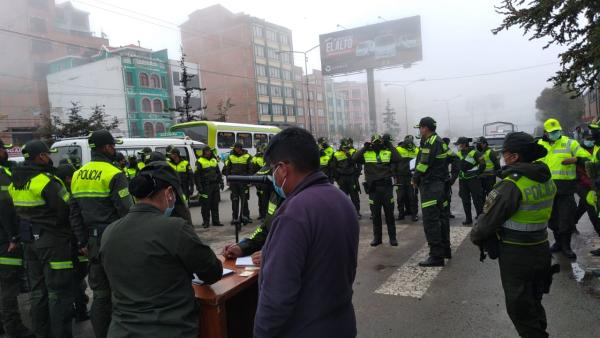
{"points": [[555, 135], [171, 205], [278, 189], [588, 143]]}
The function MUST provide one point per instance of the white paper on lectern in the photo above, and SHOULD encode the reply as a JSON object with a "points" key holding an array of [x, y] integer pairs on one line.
{"points": [[244, 261]]}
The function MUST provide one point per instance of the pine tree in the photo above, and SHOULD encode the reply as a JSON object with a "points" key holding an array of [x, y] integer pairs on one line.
{"points": [[572, 24], [389, 120]]}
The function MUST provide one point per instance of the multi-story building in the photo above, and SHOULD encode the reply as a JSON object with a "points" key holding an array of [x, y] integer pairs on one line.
{"points": [[337, 113], [318, 107], [245, 59], [195, 81], [592, 104], [131, 82], [36, 31], [356, 99]]}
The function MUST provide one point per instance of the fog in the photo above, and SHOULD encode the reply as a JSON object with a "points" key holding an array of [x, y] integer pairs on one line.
{"points": [[484, 77]]}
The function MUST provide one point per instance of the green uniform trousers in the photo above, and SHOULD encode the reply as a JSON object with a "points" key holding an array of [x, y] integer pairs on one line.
{"points": [[471, 189], [435, 217], [50, 272], [209, 201], [381, 195], [407, 199], [522, 270], [347, 184], [240, 194], [101, 310], [10, 287]]}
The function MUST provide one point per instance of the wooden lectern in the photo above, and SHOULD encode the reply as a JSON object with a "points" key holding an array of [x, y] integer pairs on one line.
{"points": [[227, 308]]}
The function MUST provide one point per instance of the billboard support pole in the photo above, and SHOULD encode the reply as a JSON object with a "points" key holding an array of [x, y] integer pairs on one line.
{"points": [[371, 95]]}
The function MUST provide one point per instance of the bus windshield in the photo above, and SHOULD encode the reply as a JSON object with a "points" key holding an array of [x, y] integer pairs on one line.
{"points": [[196, 133]]}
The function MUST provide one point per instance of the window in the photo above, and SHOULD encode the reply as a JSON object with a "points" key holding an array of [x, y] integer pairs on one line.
{"points": [[356, 105], [160, 127], [40, 46], [163, 82], [196, 103], [297, 76], [148, 129], [319, 97], [225, 139], [259, 51], [194, 80], [300, 111], [271, 36], [321, 112], [129, 76], [38, 25], [40, 70], [146, 105], [154, 81], [261, 70], [131, 105], [273, 54], [286, 58], [133, 129], [276, 91], [263, 89], [197, 132], [277, 109], [311, 95], [176, 80], [260, 139], [263, 108], [289, 110], [245, 139], [258, 31], [288, 92], [144, 82], [72, 153], [356, 93], [299, 94], [157, 106], [287, 75], [284, 39], [274, 73]]}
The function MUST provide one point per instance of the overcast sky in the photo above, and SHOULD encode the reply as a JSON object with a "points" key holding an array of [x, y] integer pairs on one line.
{"points": [[457, 42]]}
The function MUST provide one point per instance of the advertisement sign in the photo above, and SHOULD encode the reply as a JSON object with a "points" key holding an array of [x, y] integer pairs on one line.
{"points": [[385, 44]]}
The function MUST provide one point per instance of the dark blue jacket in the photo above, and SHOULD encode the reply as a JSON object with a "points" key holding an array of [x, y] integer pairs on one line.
{"points": [[309, 265]]}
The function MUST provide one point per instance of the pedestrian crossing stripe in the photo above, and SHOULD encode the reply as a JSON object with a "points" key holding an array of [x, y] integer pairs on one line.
{"points": [[411, 280]]}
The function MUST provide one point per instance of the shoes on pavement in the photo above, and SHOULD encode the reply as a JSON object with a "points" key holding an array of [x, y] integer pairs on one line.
{"points": [[432, 261], [393, 242], [448, 253], [205, 225], [232, 222], [555, 247], [451, 216], [415, 218], [375, 242], [400, 218], [217, 224], [595, 252], [467, 222]]}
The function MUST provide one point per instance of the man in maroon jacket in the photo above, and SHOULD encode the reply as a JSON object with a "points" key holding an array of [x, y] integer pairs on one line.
{"points": [[309, 259]]}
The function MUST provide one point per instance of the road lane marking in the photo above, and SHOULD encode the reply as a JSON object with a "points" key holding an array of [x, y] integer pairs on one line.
{"points": [[364, 244], [411, 280]]}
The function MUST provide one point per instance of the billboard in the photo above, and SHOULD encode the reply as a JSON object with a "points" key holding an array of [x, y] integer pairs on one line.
{"points": [[385, 44]]}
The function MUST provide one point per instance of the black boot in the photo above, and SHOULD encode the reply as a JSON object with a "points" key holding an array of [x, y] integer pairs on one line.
{"points": [[556, 247], [566, 246], [432, 261], [468, 222], [81, 313], [448, 253], [376, 241], [217, 224], [415, 218], [205, 225], [595, 252], [393, 242]]}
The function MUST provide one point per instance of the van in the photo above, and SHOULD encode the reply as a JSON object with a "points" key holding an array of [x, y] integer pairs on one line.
{"points": [[77, 150]]}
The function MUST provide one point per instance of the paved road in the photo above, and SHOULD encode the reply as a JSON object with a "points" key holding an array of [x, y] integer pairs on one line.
{"points": [[395, 298]]}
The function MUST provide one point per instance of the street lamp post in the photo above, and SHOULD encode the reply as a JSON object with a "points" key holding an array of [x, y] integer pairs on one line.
{"points": [[405, 101], [307, 97], [446, 101]]}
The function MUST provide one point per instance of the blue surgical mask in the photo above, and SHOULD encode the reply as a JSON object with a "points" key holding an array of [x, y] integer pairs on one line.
{"points": [[169, 210], [278, 189], [554, 135], [588, 143]]}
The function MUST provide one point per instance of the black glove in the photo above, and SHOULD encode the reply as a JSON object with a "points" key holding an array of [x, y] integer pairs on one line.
{"points": [[222, 186], [368, 145]]}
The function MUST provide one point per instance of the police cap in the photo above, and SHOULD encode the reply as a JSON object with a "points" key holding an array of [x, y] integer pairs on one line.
{"points": [[427, 122], [481, 140], [34, 148], [145, 151], [101, 138], [238, 145], [161, 170], [524, 144], [156, 156], [463, 140]]}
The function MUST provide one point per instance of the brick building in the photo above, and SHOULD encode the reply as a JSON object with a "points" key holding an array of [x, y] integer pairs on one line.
{"points": [[246, 59], [356, 101], [591, 101], [38, 31], [318, 106]]}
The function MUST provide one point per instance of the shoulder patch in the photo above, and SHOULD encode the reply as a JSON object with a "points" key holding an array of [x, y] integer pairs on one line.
{"points": [[490, 200]]}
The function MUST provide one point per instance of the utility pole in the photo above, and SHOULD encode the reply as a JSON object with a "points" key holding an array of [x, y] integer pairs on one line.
{"points": [[187, 110]]}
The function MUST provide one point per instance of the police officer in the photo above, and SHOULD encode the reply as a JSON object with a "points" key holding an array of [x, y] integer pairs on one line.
{"points": [[144, 157], [252, 245], [519, 217], [324, 145], [120, 162], [406, 193], [11, 255], [492, 165], [183, 169], [209, 181], [379, 160], [101, 196], [430, 176], [131, 169], [239, 162], [595, 179], [149, 259], [469, 185], [344, 173], [80, 262], [41, 202], [584, 184], [452, 161], [325, 164], [563, 156], [262, 191]]}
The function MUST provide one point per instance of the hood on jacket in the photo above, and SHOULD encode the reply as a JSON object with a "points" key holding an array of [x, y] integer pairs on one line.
{"points": [[22, 173], [537, 171]]}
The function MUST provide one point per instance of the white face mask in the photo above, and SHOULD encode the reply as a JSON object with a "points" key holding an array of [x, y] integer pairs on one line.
{"points": [[170, 204]]}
